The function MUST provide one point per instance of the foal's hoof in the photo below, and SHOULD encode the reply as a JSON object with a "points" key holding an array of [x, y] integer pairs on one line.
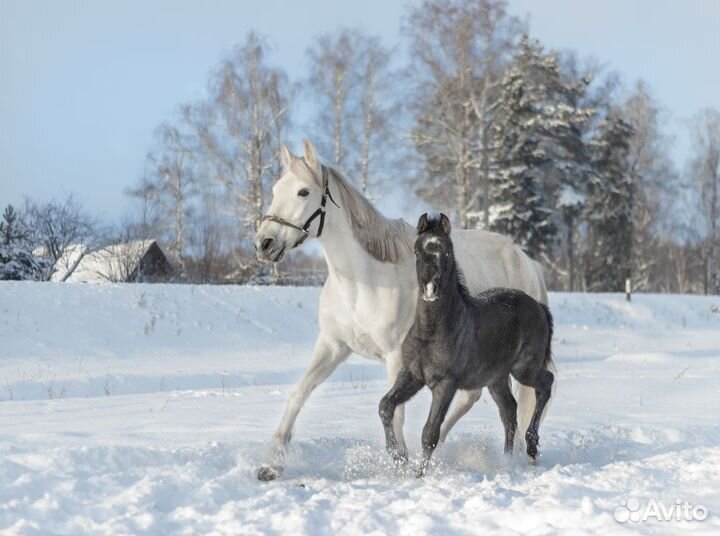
{"points": [[399, 456], [532, 454], [266, 473]]}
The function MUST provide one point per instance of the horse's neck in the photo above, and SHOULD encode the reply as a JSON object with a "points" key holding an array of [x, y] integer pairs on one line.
{"points": [[441, 315], [346, 257], [339, 244]]}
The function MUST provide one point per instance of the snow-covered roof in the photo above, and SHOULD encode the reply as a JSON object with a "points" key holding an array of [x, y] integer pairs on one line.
{"points": [[109, 264]]}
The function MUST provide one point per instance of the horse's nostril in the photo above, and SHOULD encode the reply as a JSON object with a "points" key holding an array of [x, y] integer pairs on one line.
{"points": [[266, 244]]}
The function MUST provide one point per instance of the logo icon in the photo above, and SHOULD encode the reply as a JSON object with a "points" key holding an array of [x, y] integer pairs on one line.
{"points": [[632, 510], [629, 510]]}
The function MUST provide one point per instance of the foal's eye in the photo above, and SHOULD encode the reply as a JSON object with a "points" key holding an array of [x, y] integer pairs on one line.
{"points": [[304, 192]]}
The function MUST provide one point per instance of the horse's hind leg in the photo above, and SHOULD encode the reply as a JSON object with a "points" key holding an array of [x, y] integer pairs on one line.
{"points": [[465, 401], [394, 365], [542, 381], [404, 389], [503, 397]]}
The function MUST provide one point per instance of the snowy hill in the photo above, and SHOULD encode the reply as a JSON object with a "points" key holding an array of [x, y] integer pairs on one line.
{"points": [[146, 409]]}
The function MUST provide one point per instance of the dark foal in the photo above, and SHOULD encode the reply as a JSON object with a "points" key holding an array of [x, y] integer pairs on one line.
{"points": [[464, 342]]}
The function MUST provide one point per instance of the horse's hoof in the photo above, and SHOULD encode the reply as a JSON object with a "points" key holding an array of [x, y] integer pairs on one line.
{"points": [[267, 474], [532, 460]]}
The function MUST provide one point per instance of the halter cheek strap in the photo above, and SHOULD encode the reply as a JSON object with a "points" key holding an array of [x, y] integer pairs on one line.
{"points": [[319, 212]]}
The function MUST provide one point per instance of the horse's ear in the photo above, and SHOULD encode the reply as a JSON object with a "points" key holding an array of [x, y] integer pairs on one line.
{"points": [[311, 158], [286, 156], [445, 224], [422, 224]]}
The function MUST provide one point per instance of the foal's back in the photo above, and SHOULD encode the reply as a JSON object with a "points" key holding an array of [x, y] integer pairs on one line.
{"points": [[507, 328]]}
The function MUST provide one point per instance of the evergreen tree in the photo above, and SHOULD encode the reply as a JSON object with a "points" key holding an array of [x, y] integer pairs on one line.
{"points": [[11, 228], [537, 143], [609, 210], [17, 262]]}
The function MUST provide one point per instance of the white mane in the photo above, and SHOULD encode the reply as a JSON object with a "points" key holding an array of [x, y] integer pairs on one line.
{"points": [[385, 239]]}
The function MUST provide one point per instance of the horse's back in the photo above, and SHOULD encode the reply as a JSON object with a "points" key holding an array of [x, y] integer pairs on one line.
{"points": [[492, 260]]}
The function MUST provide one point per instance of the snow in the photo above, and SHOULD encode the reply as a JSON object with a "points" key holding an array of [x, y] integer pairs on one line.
{"points": [[146, 409], [570, 197]]}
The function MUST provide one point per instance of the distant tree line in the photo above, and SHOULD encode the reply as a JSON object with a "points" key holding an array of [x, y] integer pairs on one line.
{"points": [[478, 119]]}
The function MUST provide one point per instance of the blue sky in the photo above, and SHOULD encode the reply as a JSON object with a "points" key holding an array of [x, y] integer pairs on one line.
{"points": [[83, 84]]}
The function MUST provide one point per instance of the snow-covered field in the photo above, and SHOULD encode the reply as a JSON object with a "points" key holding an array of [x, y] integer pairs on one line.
{"points": [[131, 409]]}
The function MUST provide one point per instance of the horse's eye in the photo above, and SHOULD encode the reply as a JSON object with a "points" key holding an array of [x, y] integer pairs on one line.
{"points": [[304, 192]]}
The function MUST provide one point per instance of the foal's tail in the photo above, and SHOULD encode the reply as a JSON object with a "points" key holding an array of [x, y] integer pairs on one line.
{"points": [[549, 364], [525, 396]]}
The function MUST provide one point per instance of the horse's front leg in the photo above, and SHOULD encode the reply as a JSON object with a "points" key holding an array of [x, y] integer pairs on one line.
{"points": [[393, 362], [327, 355], [442, 395]]}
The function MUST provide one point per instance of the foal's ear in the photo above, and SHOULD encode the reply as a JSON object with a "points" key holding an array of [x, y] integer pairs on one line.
{"points": [[445, 224], [311, 158], [422, 224], [286, 156]]}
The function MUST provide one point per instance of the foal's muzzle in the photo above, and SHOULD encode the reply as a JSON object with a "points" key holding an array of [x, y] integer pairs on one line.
{"points": [[430, 291]]}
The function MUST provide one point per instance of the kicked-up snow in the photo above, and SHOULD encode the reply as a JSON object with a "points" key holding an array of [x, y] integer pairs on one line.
{"points": [[147, 409]]}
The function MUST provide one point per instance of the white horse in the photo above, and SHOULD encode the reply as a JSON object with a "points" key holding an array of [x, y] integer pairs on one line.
{"points": [[367, 305]]}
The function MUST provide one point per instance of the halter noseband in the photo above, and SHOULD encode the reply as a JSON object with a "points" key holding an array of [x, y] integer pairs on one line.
{"points": [[319, 212]]}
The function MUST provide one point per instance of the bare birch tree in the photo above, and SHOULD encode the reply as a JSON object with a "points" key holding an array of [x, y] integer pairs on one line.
{"points": [[173, 186], [354, 87], [458, 50], [705, 173], [334, 75], [378, 106], [141, 221], [237, 129], [654, 176]]}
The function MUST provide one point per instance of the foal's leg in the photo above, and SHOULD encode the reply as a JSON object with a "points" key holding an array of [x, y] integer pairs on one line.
{"points": [[542, 381], [465, 401], [327, 355], [404, 389], [503, 397], [442, 395]]}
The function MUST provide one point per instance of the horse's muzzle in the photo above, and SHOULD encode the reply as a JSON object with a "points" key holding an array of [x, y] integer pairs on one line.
{"points": [[268, 249]]}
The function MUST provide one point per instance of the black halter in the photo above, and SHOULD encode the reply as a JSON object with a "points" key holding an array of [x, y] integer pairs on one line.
{"points": [[319, 212]]}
